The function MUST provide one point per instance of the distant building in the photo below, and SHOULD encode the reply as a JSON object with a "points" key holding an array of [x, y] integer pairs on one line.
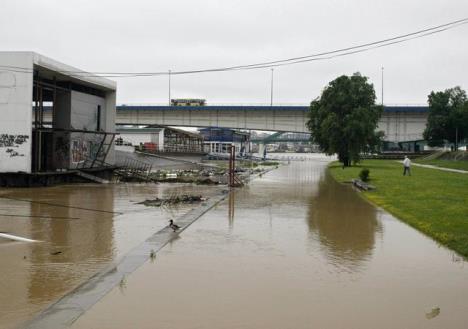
{"points": [[80, 132], [218, 140], [159, 140]]}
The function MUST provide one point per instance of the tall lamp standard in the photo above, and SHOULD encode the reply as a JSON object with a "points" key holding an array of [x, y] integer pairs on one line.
{"points": [[382, 83], [271, 85], [169, 77]]}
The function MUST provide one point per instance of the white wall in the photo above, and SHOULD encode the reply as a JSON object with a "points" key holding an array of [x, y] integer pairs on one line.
{"points": [[84, 111], [108, 121], [15, 112], [403, 126], [160, 141]]}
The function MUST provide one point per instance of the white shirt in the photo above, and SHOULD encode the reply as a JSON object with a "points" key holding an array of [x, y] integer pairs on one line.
{"points": [[407, 162]]}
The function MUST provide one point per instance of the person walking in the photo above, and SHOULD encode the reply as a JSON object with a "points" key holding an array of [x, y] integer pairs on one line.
{"points": [[406, 166]]}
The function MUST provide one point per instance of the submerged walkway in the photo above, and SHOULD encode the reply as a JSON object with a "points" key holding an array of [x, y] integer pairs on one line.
{"points": [[67, 310], [459, 171]]}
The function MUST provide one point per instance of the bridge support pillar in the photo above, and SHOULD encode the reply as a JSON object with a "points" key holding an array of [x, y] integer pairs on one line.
{"points": [[262, 150]]}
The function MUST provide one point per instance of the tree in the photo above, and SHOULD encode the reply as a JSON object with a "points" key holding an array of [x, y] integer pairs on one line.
{"points": [[344, 118], [448, 117]]}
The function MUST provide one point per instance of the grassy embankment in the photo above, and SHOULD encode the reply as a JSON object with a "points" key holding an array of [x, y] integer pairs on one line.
{"points": [[433, 201], [453, 160]]}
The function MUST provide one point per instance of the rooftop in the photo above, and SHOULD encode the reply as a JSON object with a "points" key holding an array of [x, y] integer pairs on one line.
{"points": [[50, 68]]}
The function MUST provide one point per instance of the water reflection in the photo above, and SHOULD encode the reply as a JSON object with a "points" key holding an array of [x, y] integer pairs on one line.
{"points": [[72, 247], [345, 225], [231, 209], [83, 228], [75, 244]]}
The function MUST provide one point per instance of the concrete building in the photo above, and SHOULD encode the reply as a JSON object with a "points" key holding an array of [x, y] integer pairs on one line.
{"points": [[128, 138], [79, 133], [218, 141], [159, 140]]}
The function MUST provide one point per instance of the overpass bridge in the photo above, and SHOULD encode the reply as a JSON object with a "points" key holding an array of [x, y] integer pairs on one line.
{"points": [[272, 118], [400, 123]]}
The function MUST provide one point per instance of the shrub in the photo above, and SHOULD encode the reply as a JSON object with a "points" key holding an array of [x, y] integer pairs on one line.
{"points": [[364, 175]]}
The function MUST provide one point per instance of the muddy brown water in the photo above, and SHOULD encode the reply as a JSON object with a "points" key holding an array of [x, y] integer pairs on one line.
{"points": [[81, 229], [294, 249]]}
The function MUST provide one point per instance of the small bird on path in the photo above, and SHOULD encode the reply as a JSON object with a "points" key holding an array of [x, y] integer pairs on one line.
{"points": [[174, 227]]}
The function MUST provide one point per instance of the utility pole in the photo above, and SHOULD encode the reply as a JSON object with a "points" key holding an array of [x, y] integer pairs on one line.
{"points": [[169, 75], [382, 83], [271, 91]]}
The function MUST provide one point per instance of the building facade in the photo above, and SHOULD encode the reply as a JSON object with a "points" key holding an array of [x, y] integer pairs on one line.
{"points": [[218, 141], [159, 140], [79, 131]]}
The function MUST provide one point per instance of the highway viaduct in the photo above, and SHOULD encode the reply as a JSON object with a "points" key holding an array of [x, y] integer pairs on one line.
{"points": [[399, 123]]}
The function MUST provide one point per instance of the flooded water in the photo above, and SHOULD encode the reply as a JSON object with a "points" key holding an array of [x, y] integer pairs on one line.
{"points": [[294, 249], [81, 229]]}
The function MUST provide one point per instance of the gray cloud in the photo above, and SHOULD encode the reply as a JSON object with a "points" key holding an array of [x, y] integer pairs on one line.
{"points": [[185, 34]]}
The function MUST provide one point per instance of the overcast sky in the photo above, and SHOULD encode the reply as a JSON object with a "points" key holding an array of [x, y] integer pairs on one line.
{"points": [[137, 35]]}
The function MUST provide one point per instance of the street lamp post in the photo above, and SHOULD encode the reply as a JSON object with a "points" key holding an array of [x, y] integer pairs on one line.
{"points": [[271, 91], [382, 83], [169, 75]]}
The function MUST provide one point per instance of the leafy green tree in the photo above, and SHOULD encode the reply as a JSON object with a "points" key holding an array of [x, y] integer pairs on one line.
{"points": [[343, 120], [448, 117]]}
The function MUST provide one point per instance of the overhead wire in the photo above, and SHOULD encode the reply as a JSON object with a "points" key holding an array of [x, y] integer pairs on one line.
{"points": [[269, 64]]}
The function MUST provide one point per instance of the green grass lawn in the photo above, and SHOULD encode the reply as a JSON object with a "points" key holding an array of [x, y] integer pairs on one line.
{"points": [[462, 165], [432, 201]]}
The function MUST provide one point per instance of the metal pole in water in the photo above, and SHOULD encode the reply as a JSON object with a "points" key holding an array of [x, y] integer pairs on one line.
{"points": [[232, 166]]}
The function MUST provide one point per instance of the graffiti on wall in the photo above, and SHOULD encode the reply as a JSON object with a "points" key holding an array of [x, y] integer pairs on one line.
{"points": [[95, 150], [86, 147], [79, 150], [11, 143]]}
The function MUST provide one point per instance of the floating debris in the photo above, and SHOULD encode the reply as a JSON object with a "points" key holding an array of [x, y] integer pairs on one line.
{"points": [[362, 186], [15, 238], [123, 283], [55, 253], [173, 200], [433, 313], [152, 254]]}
